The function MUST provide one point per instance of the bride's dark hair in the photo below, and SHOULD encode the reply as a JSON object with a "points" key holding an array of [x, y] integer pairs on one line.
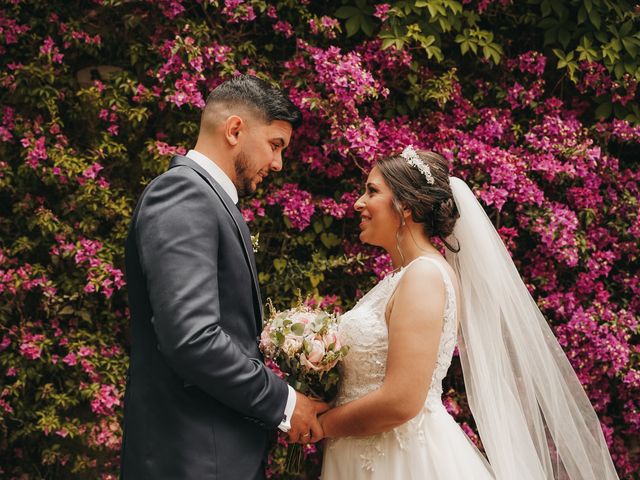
{"points": [[432, 205]]}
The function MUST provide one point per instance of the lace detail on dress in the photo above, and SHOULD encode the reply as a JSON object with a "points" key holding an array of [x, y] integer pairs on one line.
{"points": [[447, 342], [364, 328]]}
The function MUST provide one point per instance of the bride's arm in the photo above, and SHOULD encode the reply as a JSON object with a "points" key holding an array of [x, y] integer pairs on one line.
{"points": [[415, 324]]}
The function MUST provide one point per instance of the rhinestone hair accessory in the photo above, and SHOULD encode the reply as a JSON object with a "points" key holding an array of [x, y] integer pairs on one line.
{"points": [[412, 158]]}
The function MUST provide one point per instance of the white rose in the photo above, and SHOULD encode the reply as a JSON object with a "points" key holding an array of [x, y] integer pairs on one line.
{"points": [[292, 343]]}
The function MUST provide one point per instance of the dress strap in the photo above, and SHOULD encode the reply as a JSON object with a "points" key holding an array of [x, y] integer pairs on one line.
{"points": [[443, 271], [445, 274], [449, 290]]}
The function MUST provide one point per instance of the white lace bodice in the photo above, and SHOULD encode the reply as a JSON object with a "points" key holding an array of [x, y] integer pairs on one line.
{"points": [[364, 329], [430, 445]]}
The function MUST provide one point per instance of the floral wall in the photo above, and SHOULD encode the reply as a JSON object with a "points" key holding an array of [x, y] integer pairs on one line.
{"points": [[534, 103]]}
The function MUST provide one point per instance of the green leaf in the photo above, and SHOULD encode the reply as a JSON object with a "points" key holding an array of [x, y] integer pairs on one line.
{"points": [[564, 36], [297, 329], [630, 45], [427, 41], [315, 279], [456, 7], [601, 37], [263, 277], [387, 42], [367, 26], [618, 111], [560, 9], [347, 12], [626, 28], [353, 25], [566, 62], [630, 68], [66, 310], [619, 70], [604, 110], [594, 18], [582, 15], [588, 5], [279, 264], [550, 36], [548, 22], [329, 240]]}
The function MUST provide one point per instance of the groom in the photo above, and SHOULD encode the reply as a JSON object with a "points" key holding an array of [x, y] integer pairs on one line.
{"points": [[200, 404]]}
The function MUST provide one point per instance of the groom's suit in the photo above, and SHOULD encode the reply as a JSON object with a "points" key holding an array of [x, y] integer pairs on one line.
{"points": [[199, 402]]}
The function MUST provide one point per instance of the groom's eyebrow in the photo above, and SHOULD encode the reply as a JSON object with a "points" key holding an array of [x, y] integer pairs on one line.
{"points": [[279, 141]]}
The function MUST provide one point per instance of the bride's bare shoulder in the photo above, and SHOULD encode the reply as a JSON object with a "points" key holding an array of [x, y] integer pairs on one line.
{"points": [[421, 287]]}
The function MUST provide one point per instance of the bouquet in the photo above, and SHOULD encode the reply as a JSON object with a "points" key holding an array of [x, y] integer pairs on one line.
{"points": [[303, 345]]}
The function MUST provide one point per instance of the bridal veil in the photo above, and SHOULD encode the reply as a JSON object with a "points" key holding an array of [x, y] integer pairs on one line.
{"points": [[534, 418]]}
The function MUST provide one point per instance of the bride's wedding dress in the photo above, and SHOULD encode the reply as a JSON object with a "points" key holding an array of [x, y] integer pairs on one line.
{"points": [[431, 445]]}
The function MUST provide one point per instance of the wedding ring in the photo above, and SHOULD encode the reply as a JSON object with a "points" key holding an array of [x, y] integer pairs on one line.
{"points": [[306, 435]]}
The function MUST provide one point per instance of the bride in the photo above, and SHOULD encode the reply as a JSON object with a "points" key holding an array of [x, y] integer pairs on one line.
{"points": [[534, 418]]}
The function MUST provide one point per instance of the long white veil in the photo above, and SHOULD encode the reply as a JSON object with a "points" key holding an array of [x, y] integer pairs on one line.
{"points": [[534, 418]]}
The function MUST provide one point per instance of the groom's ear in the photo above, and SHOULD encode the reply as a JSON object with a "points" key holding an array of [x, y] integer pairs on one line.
{"points": [[232, 128]]}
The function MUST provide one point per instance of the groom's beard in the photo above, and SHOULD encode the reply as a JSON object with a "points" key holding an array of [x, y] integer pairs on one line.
{"points": [[243, 178]]}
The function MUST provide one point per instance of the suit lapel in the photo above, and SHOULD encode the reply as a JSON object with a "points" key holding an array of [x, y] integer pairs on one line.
{"points": [[241, 225]]}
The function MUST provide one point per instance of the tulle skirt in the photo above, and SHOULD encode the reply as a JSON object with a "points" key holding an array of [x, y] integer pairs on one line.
{"points": [[430, 446]]}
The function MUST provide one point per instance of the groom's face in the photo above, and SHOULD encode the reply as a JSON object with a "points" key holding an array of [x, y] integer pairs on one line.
{"points": [[260, 153]]}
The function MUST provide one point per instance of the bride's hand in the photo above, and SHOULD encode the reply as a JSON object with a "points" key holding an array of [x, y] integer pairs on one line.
{"points": [[322, 420]]}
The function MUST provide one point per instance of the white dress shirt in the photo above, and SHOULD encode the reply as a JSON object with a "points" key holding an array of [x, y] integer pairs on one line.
{"points": [[216, 172], [227, 185]]}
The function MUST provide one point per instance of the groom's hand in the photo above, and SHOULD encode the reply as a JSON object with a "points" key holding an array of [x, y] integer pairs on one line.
{"points": [[305, 427]]}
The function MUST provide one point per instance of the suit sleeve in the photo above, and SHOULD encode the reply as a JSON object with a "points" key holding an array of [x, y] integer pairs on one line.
{"points": [[177, 235]]}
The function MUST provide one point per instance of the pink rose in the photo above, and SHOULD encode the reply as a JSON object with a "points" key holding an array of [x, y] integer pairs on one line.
{"points": [[332, 338], [313, 359], [317, 351]]}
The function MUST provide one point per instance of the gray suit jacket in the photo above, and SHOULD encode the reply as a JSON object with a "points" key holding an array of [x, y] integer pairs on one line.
{"points": [[199, 402]]}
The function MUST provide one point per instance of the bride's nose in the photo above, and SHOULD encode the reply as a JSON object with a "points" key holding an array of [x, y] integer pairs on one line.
{"points": [[359, 205]]}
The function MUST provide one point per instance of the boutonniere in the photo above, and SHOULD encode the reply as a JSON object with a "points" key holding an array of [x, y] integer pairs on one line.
{"points": [[255, 242]]}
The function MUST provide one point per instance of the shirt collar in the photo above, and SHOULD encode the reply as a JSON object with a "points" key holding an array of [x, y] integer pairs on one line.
{"points": [[216, 172]]}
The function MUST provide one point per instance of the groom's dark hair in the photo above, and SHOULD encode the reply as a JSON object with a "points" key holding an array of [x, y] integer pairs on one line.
{"points": [[263, 100]]}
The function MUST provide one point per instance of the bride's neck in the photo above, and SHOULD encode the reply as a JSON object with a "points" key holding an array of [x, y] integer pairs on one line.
{"points": [[412, 243]]}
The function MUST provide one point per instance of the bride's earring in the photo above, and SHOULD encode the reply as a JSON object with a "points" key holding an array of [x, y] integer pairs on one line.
{"points": [[402, 224]]}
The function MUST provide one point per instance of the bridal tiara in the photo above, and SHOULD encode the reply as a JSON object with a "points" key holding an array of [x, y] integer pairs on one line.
{"points": [[412, 158]]}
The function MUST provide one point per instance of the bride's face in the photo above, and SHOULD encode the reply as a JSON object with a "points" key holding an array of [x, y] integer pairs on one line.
{"points": [[379, 220]]}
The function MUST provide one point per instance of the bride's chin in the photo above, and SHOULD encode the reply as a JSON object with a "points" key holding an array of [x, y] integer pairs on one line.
{"points": [[363, 239]]}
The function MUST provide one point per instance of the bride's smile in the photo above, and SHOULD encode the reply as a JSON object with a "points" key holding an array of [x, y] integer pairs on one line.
{"points": [[378, 219]]}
